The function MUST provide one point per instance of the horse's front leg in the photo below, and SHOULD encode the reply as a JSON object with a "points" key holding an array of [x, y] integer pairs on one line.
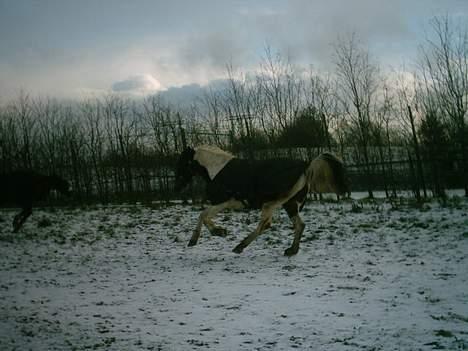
{"points": [[16, 222], [298, 230], [196, 233], [292, 207], [203, 219], [206, 219]]}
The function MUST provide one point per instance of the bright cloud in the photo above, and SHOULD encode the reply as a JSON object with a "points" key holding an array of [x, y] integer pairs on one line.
{"points": [[139, 84]]}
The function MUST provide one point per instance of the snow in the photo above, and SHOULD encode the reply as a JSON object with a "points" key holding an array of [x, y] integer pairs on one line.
{"points": [[368, 276]]}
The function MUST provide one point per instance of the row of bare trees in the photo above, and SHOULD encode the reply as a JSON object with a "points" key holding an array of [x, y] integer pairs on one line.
{"points": [[106, 146], [395, 129]]}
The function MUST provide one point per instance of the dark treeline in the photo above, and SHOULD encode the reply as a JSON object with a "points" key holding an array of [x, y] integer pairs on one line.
{"points": [[395, 130]]}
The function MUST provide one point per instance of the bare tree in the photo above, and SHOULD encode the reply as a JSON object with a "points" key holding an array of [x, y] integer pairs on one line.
{"points": [[381, 136], [47, 113], [22, 111], [9, 139], [121, 135], [320, 93], [91, 115], [444, 66], [282, 90], [358, 81], [407, 103], [210, 107]]}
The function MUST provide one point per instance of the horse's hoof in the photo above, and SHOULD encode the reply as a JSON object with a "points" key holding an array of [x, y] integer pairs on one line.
{"points": [[218, 231], [192, 243], [238, 249], [291, 251]]}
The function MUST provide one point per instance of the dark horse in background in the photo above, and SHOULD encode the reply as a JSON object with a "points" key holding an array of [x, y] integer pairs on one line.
{"points": [[23, 188], [234, 183]]}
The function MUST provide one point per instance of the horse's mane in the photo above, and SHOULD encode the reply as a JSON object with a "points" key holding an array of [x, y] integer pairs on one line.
{"points": [[330, 157], [212, 158]]}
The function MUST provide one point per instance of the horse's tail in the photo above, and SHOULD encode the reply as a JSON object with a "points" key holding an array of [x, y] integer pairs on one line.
{"points": [[334, 179]]}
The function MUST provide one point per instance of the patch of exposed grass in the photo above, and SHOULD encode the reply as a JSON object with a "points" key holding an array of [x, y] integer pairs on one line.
{"points": [[451, 317], [357, 207], [106, 230], [311, 237], [44, 222], [444, 333], [451, 202], [417, 224], [8, 238], [365, 225]]}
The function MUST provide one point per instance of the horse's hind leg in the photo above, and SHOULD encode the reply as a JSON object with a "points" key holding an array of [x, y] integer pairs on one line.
{"points": [[20, 218], [292, 207], [265, 222]]}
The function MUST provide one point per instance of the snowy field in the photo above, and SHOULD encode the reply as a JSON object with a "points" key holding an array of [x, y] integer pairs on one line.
{"points": [[368, 276]]}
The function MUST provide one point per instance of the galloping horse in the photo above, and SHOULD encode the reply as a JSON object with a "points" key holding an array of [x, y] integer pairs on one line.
{"points": [[23, 188], [235, 183]]}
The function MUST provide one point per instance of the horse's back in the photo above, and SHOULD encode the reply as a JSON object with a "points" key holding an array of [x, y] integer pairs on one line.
{"points": [[7, 188], [278, 175], [20, 187], [255, 181]]}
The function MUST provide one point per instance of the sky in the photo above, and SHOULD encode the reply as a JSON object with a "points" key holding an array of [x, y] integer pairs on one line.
{"points": [[73, 49]]}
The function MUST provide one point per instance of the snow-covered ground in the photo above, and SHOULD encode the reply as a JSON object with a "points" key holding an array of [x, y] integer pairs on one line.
{"points": [[368, 276]]}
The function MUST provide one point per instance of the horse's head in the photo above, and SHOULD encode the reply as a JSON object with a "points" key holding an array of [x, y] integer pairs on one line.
{"points": [[342, 182], [206, 161], [60, 184], [185, 168], [347, 187], [329, 175]]}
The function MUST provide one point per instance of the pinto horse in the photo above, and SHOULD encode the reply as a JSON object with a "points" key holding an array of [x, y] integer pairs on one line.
{"points": [[234, 183], [23, 188]]}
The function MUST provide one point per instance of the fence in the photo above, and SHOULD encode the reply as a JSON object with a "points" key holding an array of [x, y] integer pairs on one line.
{"points": [[155, 181]]}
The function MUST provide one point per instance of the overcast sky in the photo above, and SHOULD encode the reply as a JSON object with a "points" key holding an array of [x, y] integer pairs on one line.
{"points": [[72, 48]]}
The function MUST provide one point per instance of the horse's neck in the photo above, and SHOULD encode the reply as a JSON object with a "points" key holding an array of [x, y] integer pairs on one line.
{"points": [[212, 161], [202, 172]]}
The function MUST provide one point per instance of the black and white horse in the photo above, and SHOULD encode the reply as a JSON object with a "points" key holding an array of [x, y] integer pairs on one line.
{"points": [[23, 188], [234, 183]]}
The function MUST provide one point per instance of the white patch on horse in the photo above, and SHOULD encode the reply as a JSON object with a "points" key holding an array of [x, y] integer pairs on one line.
{"points": [[212, 158]]}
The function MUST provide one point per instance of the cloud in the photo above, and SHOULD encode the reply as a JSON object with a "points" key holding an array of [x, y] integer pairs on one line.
{"points": [[138, 84], [62, 51], [187, 94]]}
